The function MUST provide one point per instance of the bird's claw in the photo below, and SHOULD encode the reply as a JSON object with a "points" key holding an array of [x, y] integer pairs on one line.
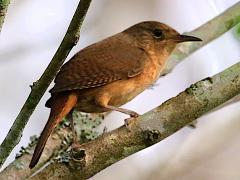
{"points": [[134, 115], [75, 145], [128, 121]]}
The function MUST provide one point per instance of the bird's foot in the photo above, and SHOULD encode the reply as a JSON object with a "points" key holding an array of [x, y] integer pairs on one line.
{"points": [[134, 114], [75, 145], [128, 121]]}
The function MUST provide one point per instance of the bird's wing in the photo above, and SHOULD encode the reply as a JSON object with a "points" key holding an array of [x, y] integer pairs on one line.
{"points": [[110, 60]]}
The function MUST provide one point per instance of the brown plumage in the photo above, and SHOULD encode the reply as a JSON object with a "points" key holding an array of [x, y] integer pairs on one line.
{"points": [[108, 74]]}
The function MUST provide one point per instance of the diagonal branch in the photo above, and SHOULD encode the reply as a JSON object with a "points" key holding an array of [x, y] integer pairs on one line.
{"points": [[148, 129], [39, 87], [207, 32], [3, 11], [19, 169], [58, 142]]}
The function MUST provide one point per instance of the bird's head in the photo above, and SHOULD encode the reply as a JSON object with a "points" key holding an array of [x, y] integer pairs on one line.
{"points": [[156, 36]]}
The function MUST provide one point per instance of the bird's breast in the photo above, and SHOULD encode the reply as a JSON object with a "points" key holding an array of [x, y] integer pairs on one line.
{"points": [[123, 91]]}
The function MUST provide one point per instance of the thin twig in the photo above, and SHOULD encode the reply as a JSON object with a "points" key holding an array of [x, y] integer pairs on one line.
{"points": [[208, 32], [39, 87]]}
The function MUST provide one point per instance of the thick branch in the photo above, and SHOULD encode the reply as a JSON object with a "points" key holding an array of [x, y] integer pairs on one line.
{"points": [[3, 11], [149, 128], [57, 143], [19, 169], [207, 32], [39, 87]]}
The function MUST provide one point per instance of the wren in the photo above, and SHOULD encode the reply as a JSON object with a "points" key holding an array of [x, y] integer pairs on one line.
{"points": [[110, 73]]}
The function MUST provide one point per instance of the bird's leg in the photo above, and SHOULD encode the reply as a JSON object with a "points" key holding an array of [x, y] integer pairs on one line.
{"points": [[103, 101], [125, 111], [132, 114], [74, 133]]}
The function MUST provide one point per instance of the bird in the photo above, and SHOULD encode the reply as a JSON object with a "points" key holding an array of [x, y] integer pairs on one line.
{"points": [[110, 73]]}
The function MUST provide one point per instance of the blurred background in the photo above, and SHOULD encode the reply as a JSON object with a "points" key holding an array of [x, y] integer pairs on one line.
{"points": [[32, 32]]}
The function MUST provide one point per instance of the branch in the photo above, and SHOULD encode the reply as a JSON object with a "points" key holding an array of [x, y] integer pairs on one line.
{"points": [[148, 129], [207, 32], [3, 11], [58, 142], [70, 39], [19, 169]]}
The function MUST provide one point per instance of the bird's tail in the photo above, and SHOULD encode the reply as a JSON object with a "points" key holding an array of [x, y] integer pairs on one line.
{"points": [[60, 107]]}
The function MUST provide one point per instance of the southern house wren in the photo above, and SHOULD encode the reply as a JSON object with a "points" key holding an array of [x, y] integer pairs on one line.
{"points": [[109, 73]]}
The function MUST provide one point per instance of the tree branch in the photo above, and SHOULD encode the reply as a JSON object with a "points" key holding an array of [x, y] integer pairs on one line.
{"points": [[3, 11], [19, 169], [70, 39], [148, 129], [58, 142], [207, 32]]}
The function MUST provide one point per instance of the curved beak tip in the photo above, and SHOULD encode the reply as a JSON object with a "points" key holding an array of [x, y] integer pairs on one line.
{"points": [[184, 38]]}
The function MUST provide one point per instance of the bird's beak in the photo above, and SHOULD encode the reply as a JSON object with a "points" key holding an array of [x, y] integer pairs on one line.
{"points": [[184, 38]]}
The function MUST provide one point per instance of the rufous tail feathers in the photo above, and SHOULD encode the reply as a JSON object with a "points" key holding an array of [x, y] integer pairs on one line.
{"points": [[60, 107]]}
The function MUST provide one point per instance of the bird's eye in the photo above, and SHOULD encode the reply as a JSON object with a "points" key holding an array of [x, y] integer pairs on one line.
{"points": [[157, 33]]}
